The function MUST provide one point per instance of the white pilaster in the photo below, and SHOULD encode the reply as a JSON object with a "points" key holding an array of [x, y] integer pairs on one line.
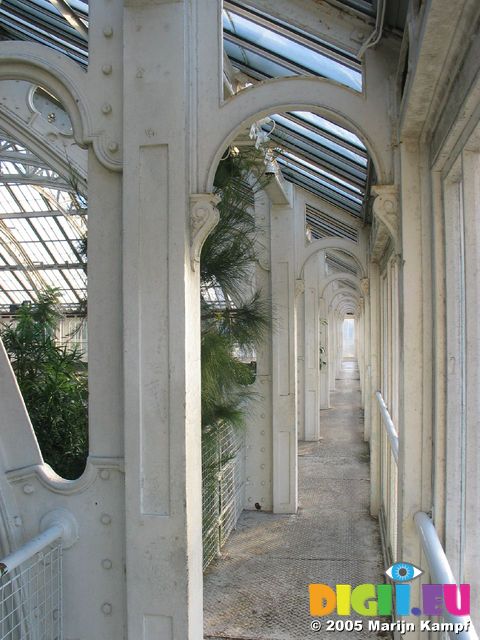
{"points": [[285, 485], [162, 235], [312, 354]]}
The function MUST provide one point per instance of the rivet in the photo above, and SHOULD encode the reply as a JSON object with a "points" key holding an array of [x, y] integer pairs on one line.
{"points": [[51, 117], [262, 432], [250, 499], [262, 466], [263, 483], [107, 608], [106, 108], [262, 449], [104, 474], [108, 31], [105, 518], [28, 489], [107, 69], [107, 563], [113, 146], [262, 415]]}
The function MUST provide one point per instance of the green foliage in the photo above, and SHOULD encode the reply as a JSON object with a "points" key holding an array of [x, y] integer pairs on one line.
{"points": [[228, 257], [53, 382]]}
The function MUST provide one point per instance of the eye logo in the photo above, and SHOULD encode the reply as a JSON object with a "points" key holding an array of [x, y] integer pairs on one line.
{"points": [[403, 572]]}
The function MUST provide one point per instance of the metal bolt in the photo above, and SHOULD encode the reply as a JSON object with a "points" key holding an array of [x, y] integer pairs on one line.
{"points": [[107, 608], [107, 69], [108, 31], [262, 449], [262, 433], [105, 518], [107, 563], [113, 146], [51, 117], [104, 474], [106, 108], [28, 489], [262, 466]]}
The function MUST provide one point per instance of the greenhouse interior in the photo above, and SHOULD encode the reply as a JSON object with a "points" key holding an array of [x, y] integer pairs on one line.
{"points": [[239, 339]]}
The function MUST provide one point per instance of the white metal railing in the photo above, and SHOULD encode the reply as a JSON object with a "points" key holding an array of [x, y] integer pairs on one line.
{"points": [[441, 572], [389, 426], [31, 582]]}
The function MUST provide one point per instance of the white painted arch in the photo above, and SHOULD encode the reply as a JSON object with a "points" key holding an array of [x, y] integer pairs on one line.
{"points": [[67, 81], [341, 105], [344, 276], [350, 247]]}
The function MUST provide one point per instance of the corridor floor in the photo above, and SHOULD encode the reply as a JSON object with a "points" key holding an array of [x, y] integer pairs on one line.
{"points": [[258, 589]]}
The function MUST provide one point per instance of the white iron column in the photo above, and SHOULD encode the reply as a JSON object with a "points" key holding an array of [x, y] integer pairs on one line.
{"points": [[367, 382], [312, 354], [162, 237], [324, 387], [285, 488], [258, 435], [332, 350], [471, 204], [414, 463], [373, 385], [300, 306]]}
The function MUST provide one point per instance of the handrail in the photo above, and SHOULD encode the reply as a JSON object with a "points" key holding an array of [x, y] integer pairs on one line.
{"points": [[389, 426], [58, 524], [440, 571], [29, 549]]}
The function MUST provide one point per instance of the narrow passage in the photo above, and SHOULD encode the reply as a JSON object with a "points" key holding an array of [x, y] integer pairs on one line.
{"points": [[258, 589]]}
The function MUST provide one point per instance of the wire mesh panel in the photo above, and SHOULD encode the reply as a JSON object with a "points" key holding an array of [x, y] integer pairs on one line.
{"points": [[31, 599], [223, 468]]}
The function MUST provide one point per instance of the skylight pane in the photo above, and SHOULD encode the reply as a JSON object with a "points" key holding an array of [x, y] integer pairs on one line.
{"points": [[321, 171], [305, 58], [8, 203], [319, 139], [317, 178], [331, 127], [258, 64]]}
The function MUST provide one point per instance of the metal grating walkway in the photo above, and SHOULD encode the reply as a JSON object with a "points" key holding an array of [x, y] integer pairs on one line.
{"points": [[258, 590]]}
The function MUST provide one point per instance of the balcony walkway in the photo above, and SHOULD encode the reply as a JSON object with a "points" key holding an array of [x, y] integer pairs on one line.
{"points": [[258, 589]]}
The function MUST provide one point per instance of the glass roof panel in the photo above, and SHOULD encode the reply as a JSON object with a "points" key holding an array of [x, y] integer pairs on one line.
{"points": [[255, 65], [309, 135], [41, 22], [339, 195], [287, 49], [330, 177], [266, 48], [40, 233], [330, 127]]}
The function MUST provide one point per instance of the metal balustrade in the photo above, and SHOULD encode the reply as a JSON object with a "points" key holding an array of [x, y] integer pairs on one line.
{"points": [[389, 426], [440, 571], [31, 605]]}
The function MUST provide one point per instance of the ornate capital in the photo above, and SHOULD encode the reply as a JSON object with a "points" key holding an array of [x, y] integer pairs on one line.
{"points": [[365, 286], [386, 218], [204, 217]]}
